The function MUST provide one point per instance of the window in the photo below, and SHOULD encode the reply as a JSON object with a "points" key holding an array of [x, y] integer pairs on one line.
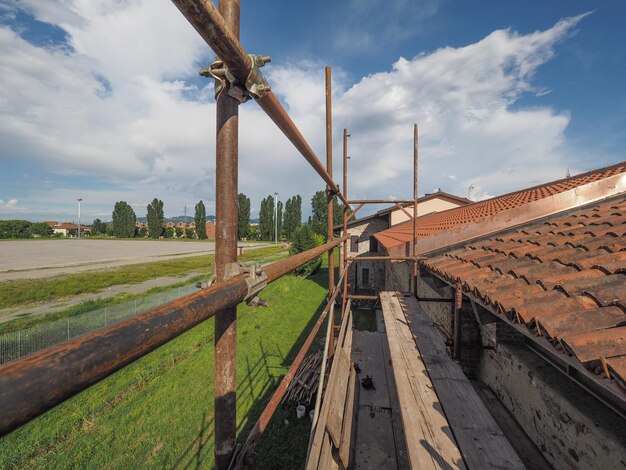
{"points": [[365, 276], [407, 249], [354, 243], [373, 244]]}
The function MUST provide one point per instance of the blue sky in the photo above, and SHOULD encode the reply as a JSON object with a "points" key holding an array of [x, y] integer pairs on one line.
{"points": [[101, 99]]}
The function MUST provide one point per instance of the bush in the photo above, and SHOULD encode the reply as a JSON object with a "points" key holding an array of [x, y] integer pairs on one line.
{"points": [[305, 239]]}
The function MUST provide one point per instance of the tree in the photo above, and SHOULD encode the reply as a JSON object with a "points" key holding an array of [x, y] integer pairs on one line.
{"points": [[143, 231], [124, 220], [169, 232], [266, 218], [40, 229], [191, 233], [155, 218], [243, 216], [179, 232], [109, 230], [200, 219], [319, 207], [99, 227], [319, 210], [305, 239], [279, 219], [15, 229], [292, 218]]}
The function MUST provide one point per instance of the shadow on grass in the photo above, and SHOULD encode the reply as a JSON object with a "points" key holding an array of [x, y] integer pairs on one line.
{"points": [[287, 442]]}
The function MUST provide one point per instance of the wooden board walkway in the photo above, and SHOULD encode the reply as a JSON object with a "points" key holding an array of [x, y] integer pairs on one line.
{"points": [[443, 416], [430, 443]]}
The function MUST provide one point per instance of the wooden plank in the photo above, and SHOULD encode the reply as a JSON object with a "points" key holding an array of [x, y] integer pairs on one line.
{"points": [[347, 343], [374, 446], [320, 426], [482, 442], [402, 456], [430, 443], [367, 353], [326, 453], [348, 420], [336, 396]]}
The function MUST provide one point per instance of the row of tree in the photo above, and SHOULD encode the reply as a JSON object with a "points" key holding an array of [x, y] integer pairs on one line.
{"points": [[24, 229], [124, 223]]}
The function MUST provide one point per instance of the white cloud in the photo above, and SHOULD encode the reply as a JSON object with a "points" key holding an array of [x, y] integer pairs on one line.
{"points": [[12, 202], [120, 107]]}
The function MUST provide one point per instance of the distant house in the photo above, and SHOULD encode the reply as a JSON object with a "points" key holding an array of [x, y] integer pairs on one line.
{"points": [[67, 229], [210, 229], [365, 276]]}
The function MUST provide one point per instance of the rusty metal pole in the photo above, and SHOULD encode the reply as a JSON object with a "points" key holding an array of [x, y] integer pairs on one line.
{"points": [[226, 172], [330, 197], [458, 302], [345, 220], [415, 196]]}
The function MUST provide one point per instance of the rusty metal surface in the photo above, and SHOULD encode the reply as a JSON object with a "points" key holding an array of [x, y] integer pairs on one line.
{"points": [[33, 385], [226, 175], [219, 34], [571, 293], [381, 201], [456, 310], [277, 113], [329, 194]]}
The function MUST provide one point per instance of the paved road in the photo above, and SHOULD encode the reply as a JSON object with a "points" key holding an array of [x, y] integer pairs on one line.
{"points": [[45, 258]]}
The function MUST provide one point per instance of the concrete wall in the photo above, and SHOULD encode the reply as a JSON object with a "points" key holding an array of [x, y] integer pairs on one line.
{"points": [[571, 428], [376, 268]]}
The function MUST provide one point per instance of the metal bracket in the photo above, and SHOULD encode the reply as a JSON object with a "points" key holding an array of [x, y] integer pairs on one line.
{"points": [[256, 85], [256, 280]]}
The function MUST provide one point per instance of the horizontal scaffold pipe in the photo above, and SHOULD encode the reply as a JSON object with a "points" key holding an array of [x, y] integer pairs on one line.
{"points": [[37, 383], [381, 201], [209, 23]]}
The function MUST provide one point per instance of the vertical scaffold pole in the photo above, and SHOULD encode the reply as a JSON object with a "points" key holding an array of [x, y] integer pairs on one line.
{"points": [[345, 221], [458, 303], [415, 196], [226, 172], [330, 197]]}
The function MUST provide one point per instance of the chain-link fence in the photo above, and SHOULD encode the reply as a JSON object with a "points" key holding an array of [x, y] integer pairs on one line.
{"points": [[21, 343]]}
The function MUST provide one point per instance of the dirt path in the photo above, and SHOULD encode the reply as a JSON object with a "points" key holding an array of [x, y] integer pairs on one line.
{"points": [[48, 258], [53, 306]]}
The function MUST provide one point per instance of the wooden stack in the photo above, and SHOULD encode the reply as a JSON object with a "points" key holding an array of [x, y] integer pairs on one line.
{"points": [[303, 387]]}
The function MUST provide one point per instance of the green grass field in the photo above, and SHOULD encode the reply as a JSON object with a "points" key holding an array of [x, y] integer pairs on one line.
{"points": [[28, 291], [158, 412]]}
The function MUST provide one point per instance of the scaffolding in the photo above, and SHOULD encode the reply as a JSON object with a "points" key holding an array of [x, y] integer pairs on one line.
{"points": [[34, 384]]}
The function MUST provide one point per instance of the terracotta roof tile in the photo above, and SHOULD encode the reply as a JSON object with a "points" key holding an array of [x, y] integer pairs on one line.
{"points": [[565, 280], [438, 222]]}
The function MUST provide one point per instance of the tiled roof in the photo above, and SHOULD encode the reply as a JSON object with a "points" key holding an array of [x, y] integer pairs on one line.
{"points": [[564, 279], [454, 218]]}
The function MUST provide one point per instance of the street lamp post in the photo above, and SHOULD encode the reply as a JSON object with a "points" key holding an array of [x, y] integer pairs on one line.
{"points": [[80, 199], [275, 217]]}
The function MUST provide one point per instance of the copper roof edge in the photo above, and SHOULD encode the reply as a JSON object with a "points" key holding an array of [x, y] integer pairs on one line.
{"points": [[566, 200]]}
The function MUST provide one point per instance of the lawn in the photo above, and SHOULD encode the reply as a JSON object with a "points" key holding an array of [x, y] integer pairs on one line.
{"points": [[158, 412], [25, 291]]}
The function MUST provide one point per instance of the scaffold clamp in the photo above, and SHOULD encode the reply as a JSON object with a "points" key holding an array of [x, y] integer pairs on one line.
{"points": [[256, 85]]}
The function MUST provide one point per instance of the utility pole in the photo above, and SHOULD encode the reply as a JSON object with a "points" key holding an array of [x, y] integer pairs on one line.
{"points": [[275, 217], [80, 199]]}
